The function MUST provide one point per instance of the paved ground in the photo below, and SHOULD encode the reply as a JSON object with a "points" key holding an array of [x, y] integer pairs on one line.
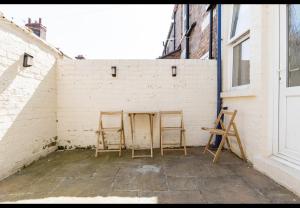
{"points": [[78, 177]]}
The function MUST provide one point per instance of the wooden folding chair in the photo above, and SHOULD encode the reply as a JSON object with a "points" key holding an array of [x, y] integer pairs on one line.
{"points": [[225, 132], [102, 131], [180, 128]]}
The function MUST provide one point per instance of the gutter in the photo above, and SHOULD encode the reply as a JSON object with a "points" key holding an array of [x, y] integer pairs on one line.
{"points": [[219, 74], [187, 25], [174, 25], [168, 37], [211, 21]]}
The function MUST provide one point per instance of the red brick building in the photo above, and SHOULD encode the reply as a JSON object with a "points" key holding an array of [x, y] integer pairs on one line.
{"points": [[192, 33]]}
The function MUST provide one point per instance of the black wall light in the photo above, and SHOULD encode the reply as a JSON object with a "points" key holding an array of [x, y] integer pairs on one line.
{"points": [[28, 60], [114, 71], [174, 71]]}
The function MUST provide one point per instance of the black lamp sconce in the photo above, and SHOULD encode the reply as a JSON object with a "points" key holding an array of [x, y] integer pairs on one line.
{"points": [[114, 71], [28, 60], [174, 71]]}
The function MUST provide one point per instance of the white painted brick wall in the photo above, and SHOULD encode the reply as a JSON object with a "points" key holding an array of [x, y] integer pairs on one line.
{"points": [[252, 110], [86, 87], [27, 99]]}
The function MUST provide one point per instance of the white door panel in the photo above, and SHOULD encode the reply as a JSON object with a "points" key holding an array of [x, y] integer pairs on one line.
{"points": [[289, 88]]}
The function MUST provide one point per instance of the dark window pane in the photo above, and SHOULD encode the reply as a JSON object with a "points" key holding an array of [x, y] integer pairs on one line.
{"points": [[241, 64]]}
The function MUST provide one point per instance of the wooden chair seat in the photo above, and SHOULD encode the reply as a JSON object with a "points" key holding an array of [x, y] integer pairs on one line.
{"points": [[218, 131]]}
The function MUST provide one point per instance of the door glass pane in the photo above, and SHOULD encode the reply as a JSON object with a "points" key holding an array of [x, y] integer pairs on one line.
{"points": [[241, 64], [293, 45]]}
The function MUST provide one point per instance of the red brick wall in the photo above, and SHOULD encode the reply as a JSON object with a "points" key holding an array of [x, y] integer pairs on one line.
{"points": [[199, 37]]}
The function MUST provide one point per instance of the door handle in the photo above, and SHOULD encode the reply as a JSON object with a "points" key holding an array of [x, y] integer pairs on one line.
{"points": [[279, 74]]}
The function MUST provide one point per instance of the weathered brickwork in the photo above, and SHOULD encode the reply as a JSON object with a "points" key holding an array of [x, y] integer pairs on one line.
{"points": [[27, 99], [199, 37], [87, 87]]}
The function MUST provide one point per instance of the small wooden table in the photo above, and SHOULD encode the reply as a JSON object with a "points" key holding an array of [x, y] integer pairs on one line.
{"points": [[132, 125]]}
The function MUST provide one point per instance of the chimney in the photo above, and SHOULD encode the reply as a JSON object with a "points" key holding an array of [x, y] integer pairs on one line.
{"points": [[37, 28], [80, 57]]}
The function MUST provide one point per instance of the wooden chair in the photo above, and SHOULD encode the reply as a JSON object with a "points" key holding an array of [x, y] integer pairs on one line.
{"points": [[102, 131], [179, 128], [225, 132]]}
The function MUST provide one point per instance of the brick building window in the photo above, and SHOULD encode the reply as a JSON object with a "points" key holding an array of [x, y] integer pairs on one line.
{"points": [[239, 38]]}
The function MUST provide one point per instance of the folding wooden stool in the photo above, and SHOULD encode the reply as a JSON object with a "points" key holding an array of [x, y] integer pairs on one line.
{"points": [[179, 128], [225, 132], [102, 131]]}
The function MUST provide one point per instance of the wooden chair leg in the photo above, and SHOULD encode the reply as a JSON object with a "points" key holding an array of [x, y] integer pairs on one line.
{"points": [[151, 133], [219, 148], [123, 139], [239, 142], [208, 143], [161, 145], [184, 142], [228, 144], [97, 146], [96, 154], [120, 145], [181, 139], [103, 140]]}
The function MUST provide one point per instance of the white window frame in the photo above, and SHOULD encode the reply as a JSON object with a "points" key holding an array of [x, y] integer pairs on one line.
{"points": [[232, 42]]}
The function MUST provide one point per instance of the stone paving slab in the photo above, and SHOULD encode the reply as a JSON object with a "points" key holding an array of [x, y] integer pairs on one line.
{"points": [[78, 176]]}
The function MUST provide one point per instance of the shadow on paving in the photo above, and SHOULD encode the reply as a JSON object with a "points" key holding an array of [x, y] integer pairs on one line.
{"points": [[76, 176]]}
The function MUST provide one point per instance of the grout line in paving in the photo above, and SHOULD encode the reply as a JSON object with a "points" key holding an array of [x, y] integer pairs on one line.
{"points": [[114, 178], [166, 177], [60, 182]]}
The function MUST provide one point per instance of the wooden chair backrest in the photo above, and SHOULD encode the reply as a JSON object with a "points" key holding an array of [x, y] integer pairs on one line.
{"points": [[111, 113], [166, 113], [223, 113]]}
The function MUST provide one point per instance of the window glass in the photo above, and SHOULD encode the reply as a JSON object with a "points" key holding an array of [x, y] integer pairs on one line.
{"points": [[241, 64], [240, 19], [293, 45]]}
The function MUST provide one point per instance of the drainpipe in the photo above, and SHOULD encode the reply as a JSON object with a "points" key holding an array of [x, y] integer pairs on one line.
{"points": [[210, 32], [219, 75], [174, 25], [187, 25]]}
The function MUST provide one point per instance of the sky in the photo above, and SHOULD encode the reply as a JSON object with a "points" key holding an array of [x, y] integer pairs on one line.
{"points": [[124, 31]]}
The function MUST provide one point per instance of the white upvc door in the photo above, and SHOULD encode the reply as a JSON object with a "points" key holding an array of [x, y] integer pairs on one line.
{"points": [[289, 84]]}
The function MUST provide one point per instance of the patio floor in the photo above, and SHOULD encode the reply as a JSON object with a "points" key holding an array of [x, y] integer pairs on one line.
{"points": [[78, 177]]}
